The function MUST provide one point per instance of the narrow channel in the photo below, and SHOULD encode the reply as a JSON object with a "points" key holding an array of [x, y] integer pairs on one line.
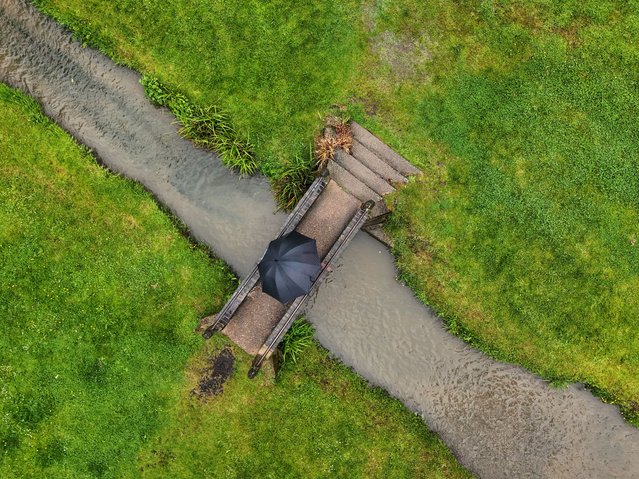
{"points": [[499, 420]]}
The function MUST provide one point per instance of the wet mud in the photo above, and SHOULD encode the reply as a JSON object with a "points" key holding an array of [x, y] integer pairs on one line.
{"points": [[499, 420], [213, 378]]}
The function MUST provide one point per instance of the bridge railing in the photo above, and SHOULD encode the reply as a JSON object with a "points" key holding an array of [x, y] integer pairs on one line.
{"points": [[228, 310], [355, 224]]}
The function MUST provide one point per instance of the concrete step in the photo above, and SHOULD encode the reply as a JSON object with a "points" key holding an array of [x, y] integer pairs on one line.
{"points": [[351, 184], [382, 150], [362, 173], [375, 163], [380, 209], [377, 232]]}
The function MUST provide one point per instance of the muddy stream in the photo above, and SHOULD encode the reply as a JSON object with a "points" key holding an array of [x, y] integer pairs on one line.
{"points": [[499, 420]]}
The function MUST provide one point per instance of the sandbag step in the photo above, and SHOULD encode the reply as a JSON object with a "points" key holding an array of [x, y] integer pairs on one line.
{"points": [[382, 150], [362, 173], [351, 184], [375, 163]]}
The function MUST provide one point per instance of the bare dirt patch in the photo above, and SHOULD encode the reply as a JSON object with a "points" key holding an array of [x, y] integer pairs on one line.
{"points": [[404, 56], [213, 378]]}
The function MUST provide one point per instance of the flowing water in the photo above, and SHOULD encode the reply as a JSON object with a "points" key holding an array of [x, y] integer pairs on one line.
{"points": [[499, 420]]}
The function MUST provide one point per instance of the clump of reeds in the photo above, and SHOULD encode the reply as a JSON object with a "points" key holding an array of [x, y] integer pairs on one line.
{"points": [[209, 127], [296, 339], [337, 135], [295, 176], [293, 179]]}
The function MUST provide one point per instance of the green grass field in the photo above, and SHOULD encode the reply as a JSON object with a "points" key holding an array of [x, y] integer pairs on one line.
{"points": [[99, 296], [523, 232], [274, 66], [316, 419]]}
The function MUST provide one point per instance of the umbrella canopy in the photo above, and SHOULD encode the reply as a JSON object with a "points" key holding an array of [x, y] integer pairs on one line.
{"points": [[289, 266]]}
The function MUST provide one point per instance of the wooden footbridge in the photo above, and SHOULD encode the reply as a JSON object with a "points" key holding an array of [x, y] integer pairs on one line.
{"points": [[345, 198]]}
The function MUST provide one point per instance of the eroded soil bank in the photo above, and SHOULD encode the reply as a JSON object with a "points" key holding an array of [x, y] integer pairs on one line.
{"points": [[500, 421]]}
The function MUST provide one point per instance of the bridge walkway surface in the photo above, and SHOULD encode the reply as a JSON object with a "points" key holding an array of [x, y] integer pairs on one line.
{"points": [[259, 313], [328, 213]]}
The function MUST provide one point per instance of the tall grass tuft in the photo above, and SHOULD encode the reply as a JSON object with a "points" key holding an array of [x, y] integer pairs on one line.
{"points": [[209, 127], [293, 179], [296, 340], [30, 106]]}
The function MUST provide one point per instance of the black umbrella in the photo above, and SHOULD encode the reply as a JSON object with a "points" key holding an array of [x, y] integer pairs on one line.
{"points": [[289, 266]]}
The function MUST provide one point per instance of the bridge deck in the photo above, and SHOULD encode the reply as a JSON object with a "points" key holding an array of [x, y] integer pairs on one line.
{"points": [[330, 213], [259, 313]]}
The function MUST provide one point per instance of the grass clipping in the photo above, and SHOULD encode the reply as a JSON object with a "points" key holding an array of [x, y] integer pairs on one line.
{"points": [[209, 127]]}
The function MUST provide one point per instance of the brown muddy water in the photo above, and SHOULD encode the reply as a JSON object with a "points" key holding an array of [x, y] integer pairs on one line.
{"points": [[499, 420]]}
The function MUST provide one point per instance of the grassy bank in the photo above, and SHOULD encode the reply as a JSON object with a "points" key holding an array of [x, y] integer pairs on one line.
{"points": [[522, 233], [317, 419], [273, 66], [99, 295]]}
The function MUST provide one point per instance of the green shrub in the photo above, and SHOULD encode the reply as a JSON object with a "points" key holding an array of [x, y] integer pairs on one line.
{"points": [[209, 127], [296, 340], [293, 179], [155, 91]]}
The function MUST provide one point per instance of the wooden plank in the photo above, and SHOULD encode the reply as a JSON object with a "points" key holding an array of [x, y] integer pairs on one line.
{"points": [[226, 313], [356, 223]]}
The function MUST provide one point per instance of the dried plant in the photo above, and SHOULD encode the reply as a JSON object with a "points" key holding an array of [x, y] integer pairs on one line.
{"points": [[324, 150], [344, 137], [337, 135]]}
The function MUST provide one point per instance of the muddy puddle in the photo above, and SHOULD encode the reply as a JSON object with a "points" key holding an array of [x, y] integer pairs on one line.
{"points": [[499, 420]]}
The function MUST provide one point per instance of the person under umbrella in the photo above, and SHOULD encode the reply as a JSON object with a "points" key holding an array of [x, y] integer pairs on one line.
{"points": [[289, 267]]}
